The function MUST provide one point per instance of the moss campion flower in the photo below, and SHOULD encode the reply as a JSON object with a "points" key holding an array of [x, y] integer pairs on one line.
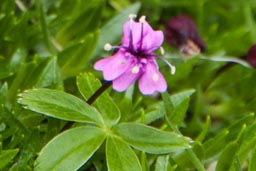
{"points": [[134, 59]]}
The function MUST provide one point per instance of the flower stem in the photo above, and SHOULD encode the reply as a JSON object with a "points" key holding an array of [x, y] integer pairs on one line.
{"points": [[98, 92]]}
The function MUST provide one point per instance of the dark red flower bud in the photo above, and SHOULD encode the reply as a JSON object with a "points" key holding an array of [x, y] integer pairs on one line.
{"points": [[251, 55], [181, 32]]}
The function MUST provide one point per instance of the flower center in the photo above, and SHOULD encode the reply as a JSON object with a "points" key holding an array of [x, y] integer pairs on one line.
{"points": [[139, 54], [136, 50]]}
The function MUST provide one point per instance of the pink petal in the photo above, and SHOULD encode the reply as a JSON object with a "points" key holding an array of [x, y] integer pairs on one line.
{"points": [[151, 40], [126, 80], [113, 66], [135, 27], [152, 80]]}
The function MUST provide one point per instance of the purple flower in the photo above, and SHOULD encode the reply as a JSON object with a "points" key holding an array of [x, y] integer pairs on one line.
{"points": [[134, 59], [251, 55], [181, 32]]}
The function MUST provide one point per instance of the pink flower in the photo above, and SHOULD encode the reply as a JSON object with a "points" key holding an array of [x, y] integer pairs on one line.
{"points": [[134, 59]]}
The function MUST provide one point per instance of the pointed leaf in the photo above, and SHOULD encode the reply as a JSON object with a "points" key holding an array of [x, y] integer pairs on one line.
{"points": [[60, 105], [194, 159], [3, 93], [227, 59], [120, 157], [214, 145], [70, 150], [227, 157], [176, 106], [74, 58], [150, 139], [252, 163], [235, 127], [249, 141], [162, 163], [205, 129], [50, 74], [45, 27], [6, 156], [88, 85], [191, 158]]}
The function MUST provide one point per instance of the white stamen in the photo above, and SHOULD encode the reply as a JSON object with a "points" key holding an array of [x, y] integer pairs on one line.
{"points": [[135, 70], [173, 69], [162, 50], [142, 19], [155, 77], [107, 47], [132, 16]]}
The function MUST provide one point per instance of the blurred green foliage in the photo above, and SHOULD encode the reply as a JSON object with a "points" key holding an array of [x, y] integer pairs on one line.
{"points": [[53, 44]]}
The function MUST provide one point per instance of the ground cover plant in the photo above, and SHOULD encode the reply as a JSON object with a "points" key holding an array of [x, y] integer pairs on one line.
{"points": [[96, 85]]}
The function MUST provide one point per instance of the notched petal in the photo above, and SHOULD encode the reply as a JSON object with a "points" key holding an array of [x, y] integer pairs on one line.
{"points": [[126, 79], [142, 34], [114, 66], [152, 80]]}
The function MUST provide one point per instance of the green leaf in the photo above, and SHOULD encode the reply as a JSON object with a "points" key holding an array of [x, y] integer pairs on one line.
{"points": [[227, 59], [214, 145], [6, 156], [248, 142], [60, 105], [119, 5], [16, 60], [252, 163], [150, 139], [250, 23], [88, 85], [25, 77], [227, 157], [70, 149], [194, 159], [112, 31], [120, 157], [45, 28], [162, 163], [205, 129], [50, 74], [236, 126], [85, 19], [191, 158], [144, 161], [236, 166], [74, 58], [176, 106], [5, 71], [3, 93], [155, 112]]}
